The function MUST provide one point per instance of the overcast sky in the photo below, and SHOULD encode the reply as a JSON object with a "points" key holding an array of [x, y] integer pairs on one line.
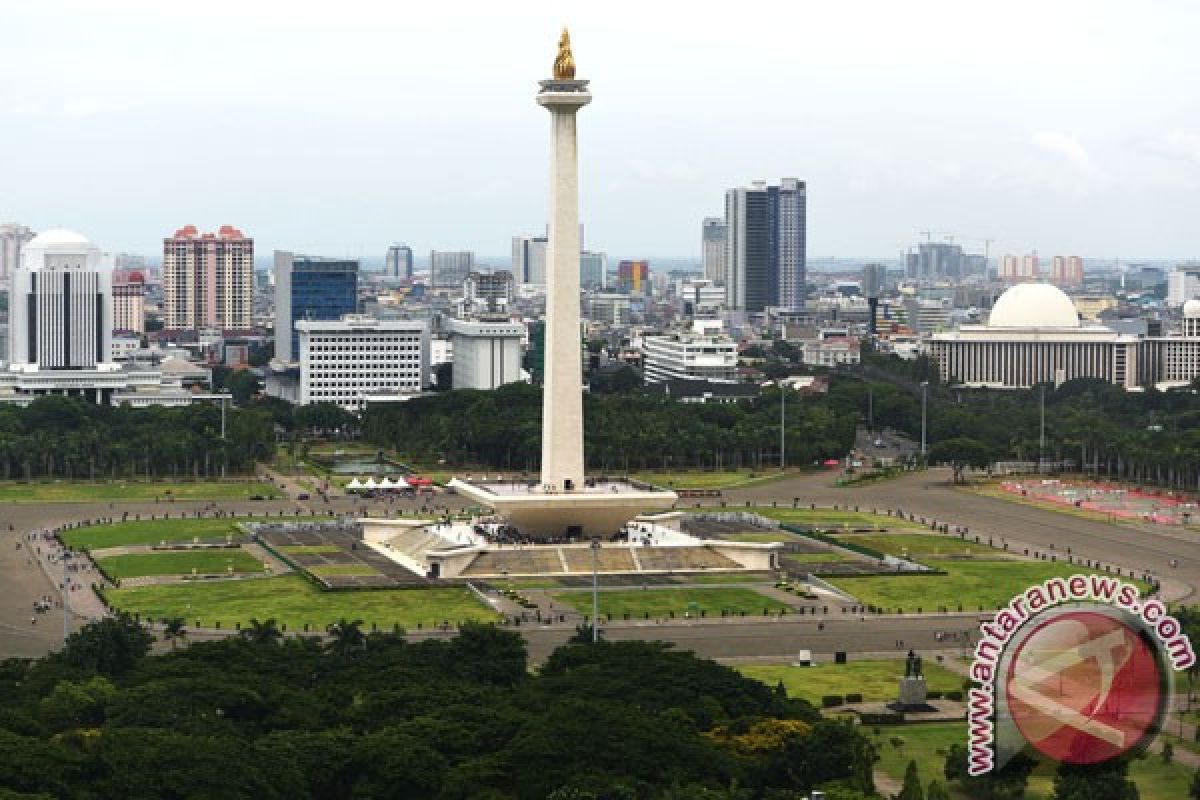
{"points": [[337, 127]]}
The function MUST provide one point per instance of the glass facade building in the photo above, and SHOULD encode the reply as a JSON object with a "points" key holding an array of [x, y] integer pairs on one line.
{"points": [[310, 288]]}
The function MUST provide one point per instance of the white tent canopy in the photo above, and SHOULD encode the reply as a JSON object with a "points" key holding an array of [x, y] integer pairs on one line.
{"points": [[353, 484], [386, 484], [370, 484]]}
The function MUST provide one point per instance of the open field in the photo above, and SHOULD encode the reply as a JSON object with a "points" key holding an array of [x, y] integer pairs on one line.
{"points": [[334, 570], [725, 577], [83, 492], [291, 600], [827, 518], [761, 537], [182, 562], [876, 681], [119, 534], [661, 602], [920, 546], [308, 549], [927, 744], [989, 584], [716, 479]]}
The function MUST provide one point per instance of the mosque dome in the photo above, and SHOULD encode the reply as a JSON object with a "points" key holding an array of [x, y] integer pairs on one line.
{"points": [[1034, 305], [1191, 309]]}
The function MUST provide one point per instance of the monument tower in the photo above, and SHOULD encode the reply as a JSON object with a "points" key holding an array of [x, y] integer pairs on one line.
{"points": [[562, 398], [565, 503]]}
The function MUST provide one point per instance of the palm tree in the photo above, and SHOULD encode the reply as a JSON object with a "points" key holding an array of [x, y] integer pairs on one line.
{"points": [[348, 637], [174, 632], [262, 632]]}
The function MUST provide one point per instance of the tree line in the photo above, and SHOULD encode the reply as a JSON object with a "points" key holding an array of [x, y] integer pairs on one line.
{"points": [[371, 715]]}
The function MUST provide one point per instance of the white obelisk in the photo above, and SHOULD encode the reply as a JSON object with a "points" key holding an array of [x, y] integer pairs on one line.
{"points": [[562, 401]]}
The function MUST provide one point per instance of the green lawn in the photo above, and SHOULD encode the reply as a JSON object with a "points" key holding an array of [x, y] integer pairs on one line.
{"points": [[291, 600], [990, 584], [761, 537], [726, 577], [703, 479], [826, 518], [82, 492], [815, 558], [920, 546], [660, 602], [308, 549], [119, 534], [876, 681], [927, 744], [182, 562], [334, 570]]}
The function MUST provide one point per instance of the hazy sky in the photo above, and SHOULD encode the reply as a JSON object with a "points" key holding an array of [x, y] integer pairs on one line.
{"points": [[337, 127]]}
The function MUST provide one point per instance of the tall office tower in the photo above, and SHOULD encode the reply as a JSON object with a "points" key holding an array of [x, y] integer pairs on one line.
{"points": [[399, 261], [60, 306], [593, 269], [935, 261], [712, 238], [449, 268], [12, 238], [633, 277], [529, 260], [765, 250], [312, 288], [208, 279], [129, 301], [874, 281]]}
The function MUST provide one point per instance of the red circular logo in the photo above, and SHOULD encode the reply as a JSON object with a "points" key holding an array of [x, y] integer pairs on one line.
{"points": [[1085, 687]]}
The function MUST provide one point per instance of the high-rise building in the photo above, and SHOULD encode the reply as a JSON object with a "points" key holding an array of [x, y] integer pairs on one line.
{"points": [[208, 279], [12, 238], [1183, 284], [1066, 271], [766, 246], [935, 261], [60, 306], [633, 277], [312, 288], [713, 235], [487, 352], [529, 260], [449, 268], [399, 261], [492, 288], [1019, 269], [358, 359], [129, 301], [593, 269]]}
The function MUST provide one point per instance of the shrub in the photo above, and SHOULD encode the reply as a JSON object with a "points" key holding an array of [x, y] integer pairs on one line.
{"points": [[854, 697], [831, 700], [934, 694], [954, 695], [881, 718]]}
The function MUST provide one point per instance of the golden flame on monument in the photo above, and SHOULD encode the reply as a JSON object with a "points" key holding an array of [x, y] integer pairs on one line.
{"points": [[564, 62]]}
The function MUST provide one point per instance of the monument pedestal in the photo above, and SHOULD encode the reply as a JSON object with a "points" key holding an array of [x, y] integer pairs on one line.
{"points": [[913, 694]]}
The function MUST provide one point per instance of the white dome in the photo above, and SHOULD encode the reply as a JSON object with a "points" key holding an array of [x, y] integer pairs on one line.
{"points": [[1191, 309], [1034, 305], [57, 237]]}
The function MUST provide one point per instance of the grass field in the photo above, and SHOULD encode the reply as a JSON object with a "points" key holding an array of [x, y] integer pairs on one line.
{"points": [[293, 601], [660, 602], [148, 532], [308, 549], [927, 745], [726, 577], [815, 558], [205, 562], [761, 537], [334, 570], [920, 546], [827, 518], [81, 492], [990, 584], [876, 681], [716, 479]]}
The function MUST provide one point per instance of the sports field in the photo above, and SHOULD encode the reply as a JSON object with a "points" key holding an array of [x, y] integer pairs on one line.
{"points": [[876, 681], [204, 562], [661, 602], [971, 584], [291, 600], [84, 492]]}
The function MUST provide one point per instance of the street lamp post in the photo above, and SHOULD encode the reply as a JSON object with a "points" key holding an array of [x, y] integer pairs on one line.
{"points": [[595, 590], [924, 416]]}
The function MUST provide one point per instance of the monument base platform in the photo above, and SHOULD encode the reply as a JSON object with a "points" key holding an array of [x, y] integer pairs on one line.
{"points": [[914, 696], [595, 511]]}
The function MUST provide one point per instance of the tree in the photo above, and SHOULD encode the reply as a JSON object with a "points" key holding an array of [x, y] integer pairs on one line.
{"points": [[1106, 781], [348, 638], [1194, 788], [112, 646], [961, 453], [911, 788], [1005, 782], [936, 791], [266, 633]]}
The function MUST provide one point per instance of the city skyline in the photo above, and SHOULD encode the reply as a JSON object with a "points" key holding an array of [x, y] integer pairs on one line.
{"points": [[1063, 148]]}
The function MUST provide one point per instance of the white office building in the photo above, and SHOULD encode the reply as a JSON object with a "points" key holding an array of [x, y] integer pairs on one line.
{"points": [[1183, 284], [12, 239], [360, 359], [486, 353], [529, 260], [689, 355]]}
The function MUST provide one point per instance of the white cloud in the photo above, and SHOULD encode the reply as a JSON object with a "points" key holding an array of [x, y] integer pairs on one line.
{"points": [[1069, 149]]}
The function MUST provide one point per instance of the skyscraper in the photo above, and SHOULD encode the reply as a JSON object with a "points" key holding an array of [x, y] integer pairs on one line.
{"points": [[312, 288], [449, 268], [60, 315], [593, 269], [129, 301], [766, 250], [208, 279], [633, 277], [935, 261], [399, 261], [529, 260], [712, 237], [12, 239]]}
